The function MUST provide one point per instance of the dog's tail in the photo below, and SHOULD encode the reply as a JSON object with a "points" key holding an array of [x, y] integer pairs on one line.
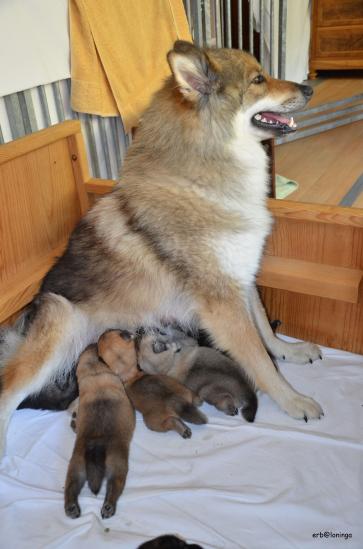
{"points": [[95, 457], [190, 413]]}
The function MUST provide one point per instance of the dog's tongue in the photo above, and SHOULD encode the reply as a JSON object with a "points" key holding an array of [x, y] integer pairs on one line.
{"points": [[275, 116]]}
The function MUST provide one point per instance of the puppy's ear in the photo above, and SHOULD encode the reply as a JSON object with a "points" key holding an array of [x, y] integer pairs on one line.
{"points": [[193, 71]]}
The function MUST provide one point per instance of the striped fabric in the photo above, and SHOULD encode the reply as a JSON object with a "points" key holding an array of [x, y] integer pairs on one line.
{"points": [[31, 110]]}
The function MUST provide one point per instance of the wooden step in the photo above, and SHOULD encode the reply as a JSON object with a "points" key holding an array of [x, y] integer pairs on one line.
{"points": [[306, 277]]}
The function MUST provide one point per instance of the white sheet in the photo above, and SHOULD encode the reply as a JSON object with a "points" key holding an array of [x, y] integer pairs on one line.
{"points": [[271, 484]]}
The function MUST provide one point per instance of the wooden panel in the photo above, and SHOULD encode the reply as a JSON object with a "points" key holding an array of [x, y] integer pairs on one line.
{"points": [[340, 42], [99, 186], [20, 289], [39, 205], [332, 13], [331, 237], [319, 213], [42, 197], [323, 321], [336, 35], [39, 139], [306, 277]]}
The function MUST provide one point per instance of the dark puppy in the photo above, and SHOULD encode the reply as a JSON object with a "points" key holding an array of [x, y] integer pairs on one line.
{"points": [[168, 542], [213, 376], [163, 401], [105, 424]]}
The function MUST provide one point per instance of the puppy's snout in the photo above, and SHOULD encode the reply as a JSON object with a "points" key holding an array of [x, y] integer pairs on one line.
{"points": [[307, 91]]}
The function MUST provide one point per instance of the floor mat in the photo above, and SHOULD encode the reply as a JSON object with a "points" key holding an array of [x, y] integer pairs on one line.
{"points": [[277, 483]]}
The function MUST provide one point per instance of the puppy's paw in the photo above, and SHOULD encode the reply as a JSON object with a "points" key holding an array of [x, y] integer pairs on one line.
{"points": [[108, 510], [73, 424], [73, 510], [299, 353], [231, 410], [303, 407], [187, 433]]}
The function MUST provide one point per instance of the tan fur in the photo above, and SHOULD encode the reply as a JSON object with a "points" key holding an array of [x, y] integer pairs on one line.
{"points": [[163, 401]]}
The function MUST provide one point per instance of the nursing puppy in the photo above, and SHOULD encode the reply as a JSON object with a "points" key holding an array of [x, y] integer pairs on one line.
{"points": [[104, 427], [207, 372], [163, 401], [182, 238]]}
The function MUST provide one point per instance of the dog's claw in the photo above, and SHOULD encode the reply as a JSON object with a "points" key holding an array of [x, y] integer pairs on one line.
{"points": [[320, 356], [283, 357], [305, 418]]}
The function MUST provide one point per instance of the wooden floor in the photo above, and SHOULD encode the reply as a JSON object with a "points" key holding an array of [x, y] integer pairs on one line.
{"points": [[326, 165]]}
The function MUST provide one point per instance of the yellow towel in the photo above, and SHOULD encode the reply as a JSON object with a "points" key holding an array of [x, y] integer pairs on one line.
{"points": [[118, 53]]}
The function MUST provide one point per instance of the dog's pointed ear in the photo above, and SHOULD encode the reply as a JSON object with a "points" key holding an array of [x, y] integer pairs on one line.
{"points": [[193, 70]]}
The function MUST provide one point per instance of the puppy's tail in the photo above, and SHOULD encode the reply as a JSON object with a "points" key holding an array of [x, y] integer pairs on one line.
{"points": [[190, 413], [95, 464], [250, 405]]}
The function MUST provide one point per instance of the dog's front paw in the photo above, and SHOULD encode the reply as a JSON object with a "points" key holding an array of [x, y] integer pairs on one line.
{"points": [[303, 407], [300, 353]]}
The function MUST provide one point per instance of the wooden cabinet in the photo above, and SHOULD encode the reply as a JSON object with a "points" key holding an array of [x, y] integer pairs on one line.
{"points": [[336, 35]]}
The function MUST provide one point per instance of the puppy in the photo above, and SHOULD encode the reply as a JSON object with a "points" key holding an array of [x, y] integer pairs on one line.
{"points": [[163, 401], [105, 424], [213, 376], [168, 542]]}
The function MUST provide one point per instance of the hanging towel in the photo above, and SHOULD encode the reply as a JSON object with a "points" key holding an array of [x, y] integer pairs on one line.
{"points": [[118, 53]]}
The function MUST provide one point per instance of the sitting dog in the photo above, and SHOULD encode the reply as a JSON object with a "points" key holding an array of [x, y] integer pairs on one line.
{"points": [[105, 424], [163, 401], [213, 376]]}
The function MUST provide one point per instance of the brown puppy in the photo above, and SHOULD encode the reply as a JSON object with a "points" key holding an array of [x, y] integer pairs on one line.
{"points": [[163, 401], [105, 424]]}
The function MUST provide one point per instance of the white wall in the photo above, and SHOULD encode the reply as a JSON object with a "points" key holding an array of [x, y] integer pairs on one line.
{"points": [[34, 43]]}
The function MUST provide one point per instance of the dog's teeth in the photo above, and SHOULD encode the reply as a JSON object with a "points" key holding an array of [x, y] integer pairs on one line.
{"points": [[264, 120], [292, 123], [258, 116], [270, 121]]}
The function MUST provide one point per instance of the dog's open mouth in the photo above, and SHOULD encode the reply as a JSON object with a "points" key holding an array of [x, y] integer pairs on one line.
{"points": [[274, 121]]}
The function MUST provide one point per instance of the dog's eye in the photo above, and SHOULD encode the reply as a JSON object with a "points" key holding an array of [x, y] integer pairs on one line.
{"points": [[258, 79]]}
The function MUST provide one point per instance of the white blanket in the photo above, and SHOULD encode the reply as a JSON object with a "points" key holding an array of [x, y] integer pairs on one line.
{"points": [[277, 483]]}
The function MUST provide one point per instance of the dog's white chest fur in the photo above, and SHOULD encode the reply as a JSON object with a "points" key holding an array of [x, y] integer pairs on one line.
{"points": [[239, 253]]}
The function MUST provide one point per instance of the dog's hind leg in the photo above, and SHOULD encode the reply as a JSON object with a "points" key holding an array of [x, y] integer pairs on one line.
{"points": [[76, 478], [57, 328], [116, 471], [300, 353], [230, 324]]}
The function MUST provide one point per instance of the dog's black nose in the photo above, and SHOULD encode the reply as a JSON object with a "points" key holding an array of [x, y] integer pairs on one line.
{"points": [[307, 91]]}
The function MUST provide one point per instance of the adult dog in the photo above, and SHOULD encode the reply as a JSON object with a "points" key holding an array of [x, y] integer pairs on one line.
{"points": [[182, 237]]}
